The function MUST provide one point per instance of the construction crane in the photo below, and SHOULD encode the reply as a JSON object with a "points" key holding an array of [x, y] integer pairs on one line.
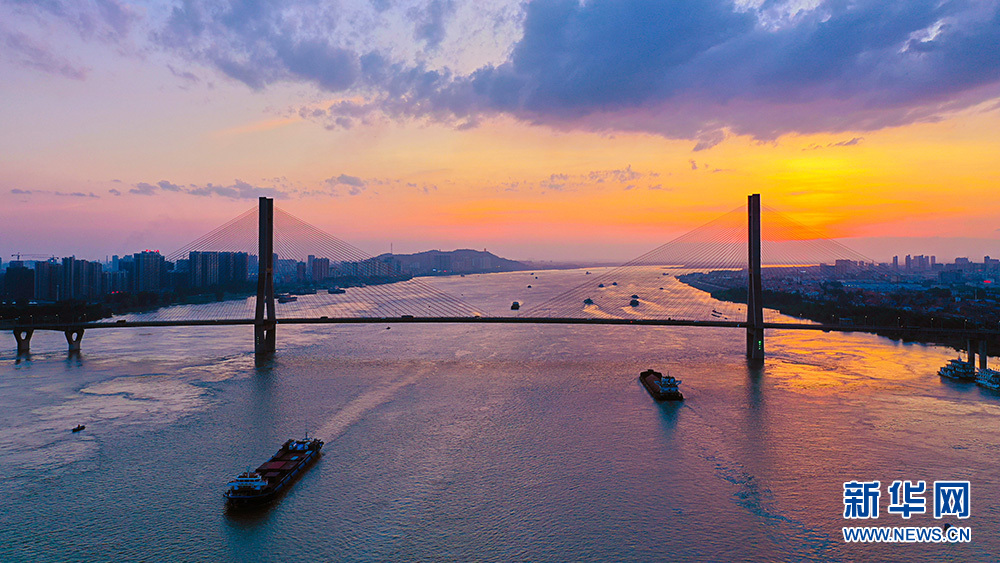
{"points": [[18, 255]]}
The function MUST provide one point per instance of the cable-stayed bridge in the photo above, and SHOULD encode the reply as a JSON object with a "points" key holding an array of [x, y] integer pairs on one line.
{"points": [[277, 254]]}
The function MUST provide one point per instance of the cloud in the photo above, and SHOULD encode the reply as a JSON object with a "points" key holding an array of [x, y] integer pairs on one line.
{"points": [[848, 143], [689, 69], [165, 185], [430, 21], [142, 188], [845, 143], [114, 192], [238, 190], [347, 181], [18, 191], [706, 69], [24, 51]]}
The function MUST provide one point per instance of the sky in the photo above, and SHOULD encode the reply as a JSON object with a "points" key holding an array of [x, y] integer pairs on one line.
{"points": [[548, 129]]}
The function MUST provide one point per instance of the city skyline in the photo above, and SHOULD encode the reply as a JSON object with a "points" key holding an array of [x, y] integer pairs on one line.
{"points": [[439, 125]]}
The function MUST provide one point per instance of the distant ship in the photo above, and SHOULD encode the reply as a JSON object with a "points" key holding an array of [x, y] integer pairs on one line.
{"points": [[286, 298], [958, 370], [988, 378], [294, 457], [336, 291], [77, 428], [661, 387], [515, 305]]}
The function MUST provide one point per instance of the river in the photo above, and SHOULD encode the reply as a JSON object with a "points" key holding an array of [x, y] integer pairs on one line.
{"points": [[460, 442]]}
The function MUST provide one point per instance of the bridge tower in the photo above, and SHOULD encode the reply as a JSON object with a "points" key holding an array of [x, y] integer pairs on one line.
{"points": [[265, 319], [755, 305]]}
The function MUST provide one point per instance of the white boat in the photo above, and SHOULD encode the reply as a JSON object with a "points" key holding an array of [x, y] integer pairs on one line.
{"points": [[988, 378], [959, 370]]}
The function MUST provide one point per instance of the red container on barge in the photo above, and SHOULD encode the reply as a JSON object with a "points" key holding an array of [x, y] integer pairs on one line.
{"points": [[274, 475]]}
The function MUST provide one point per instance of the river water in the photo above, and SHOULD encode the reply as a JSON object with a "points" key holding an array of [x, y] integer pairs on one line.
{"points": [[482, 443]]}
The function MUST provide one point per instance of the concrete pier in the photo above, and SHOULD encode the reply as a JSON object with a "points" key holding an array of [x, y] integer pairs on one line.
{"points": [[982, 354], [74, 337], [23, 338], [755, 306]]}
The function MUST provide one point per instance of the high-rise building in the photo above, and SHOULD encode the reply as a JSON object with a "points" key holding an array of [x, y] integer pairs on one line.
{"points": [[19, 282], [150, 269], [319, 269], [48, 280], [203, 268]]}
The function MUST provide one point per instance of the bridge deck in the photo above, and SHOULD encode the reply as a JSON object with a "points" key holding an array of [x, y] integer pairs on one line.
{"points": [[507, 320]]}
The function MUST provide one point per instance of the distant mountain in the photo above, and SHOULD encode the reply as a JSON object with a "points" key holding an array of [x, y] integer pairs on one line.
{"points": [[464, 261]]}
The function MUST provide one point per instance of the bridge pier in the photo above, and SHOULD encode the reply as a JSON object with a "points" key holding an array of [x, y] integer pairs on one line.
{"points": [[755, 305], [982, 354], [23, 338], [970, 346], [265, 320], [264, 339], [74, 337]]}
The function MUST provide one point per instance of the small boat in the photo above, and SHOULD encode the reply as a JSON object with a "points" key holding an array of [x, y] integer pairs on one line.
{"points": [[588, 301], [529, 287], [634, 303], [614, 283], [634, 296], [600, 285], [336, 291], [286, 298], [515, 306], [588, 273], [959, 370], [78, 428], [661, 387]]}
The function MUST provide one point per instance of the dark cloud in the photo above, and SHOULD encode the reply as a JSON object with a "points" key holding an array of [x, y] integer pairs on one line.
{"points": [[114, 192], [259, 43], [165, 185], [848, 143], [238, 190], [845, 143], [703, 69], [18, 191], [691, 69], [142, 188], [347, 181], [430, 21]]}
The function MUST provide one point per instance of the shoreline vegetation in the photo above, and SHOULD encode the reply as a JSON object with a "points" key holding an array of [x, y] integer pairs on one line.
{"points": [[839, 312]]}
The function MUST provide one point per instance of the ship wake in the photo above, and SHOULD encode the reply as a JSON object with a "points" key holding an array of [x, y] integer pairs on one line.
{"points": [[356, 409]]}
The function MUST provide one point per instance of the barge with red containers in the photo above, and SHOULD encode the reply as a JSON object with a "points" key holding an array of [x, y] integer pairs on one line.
{"points": [[276, 474], [661, 387]]}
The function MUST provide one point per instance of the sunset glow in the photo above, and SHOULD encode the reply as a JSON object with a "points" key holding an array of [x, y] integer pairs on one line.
{"points": [[133, 126]]}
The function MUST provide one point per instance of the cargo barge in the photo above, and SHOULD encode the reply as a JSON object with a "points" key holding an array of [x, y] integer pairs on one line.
{"points": [[274, 475], [661, 387]]}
